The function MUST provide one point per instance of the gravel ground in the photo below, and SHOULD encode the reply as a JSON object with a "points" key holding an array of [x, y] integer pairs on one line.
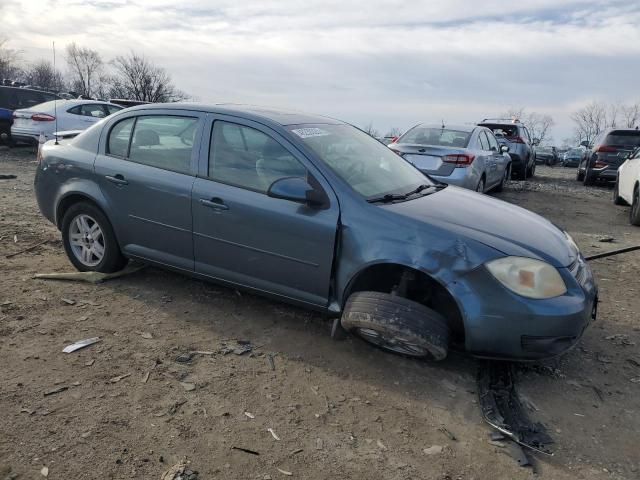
{"points": [[310, 406]]}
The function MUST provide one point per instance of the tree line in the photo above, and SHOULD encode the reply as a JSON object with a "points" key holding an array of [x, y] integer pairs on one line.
{"points": [[132, 76], [595, 117]]}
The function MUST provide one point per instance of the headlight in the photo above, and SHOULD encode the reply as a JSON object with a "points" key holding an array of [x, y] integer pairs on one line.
{"points": [[528, 277]]}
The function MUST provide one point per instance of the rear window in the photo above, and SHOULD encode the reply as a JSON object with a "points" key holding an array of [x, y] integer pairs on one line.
{"points": [[500, 130], [623, 138], [436, 136]]}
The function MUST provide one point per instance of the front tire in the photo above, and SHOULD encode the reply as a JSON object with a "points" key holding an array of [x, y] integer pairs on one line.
{"points": [[397, 324], [634, 213], [617, 199], [89, 241]]}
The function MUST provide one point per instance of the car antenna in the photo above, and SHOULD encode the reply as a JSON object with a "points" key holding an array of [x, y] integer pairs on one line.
{"points": [[443, 124], [55, 100]]}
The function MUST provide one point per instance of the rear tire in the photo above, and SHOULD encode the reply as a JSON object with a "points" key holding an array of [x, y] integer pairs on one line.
{"points": [[505, 178], [397, 324], [579, 175], [634, 213], [108, 258], [481, 185], [617, 199]]}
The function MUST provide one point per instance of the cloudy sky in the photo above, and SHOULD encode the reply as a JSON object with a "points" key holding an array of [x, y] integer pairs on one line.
{"points": [[392, 63]]}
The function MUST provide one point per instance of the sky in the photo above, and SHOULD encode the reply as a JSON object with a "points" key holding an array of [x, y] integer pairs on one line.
{"points": [[389, 63]]}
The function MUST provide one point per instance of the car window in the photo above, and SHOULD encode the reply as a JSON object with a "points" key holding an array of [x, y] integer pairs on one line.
{"points": [[111, 109], [445, 137], [119, 136], [248, 158], [526, 136], [163, 141], [92, 110], [493, 143], [366, 165], [623, 138], [507, 131], [482, 139]]}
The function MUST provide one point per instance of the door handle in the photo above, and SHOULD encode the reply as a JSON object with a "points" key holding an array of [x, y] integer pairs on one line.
{"points": [[117, 179], [215, 203]]}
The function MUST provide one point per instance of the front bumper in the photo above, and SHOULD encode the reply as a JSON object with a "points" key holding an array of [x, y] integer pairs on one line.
{"points": [[501, 324]]}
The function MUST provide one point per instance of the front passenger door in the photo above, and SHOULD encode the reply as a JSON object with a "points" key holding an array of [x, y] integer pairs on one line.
{"points": [[243, 236]]}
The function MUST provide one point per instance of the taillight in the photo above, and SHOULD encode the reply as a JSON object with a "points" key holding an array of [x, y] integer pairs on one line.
{"points": [[42, 117], [600, 165], [460, 160], [394, 139], [606, 149]]}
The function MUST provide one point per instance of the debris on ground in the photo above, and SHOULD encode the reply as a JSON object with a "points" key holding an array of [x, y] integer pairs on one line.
{"points": [[8, 176], [273, 434], [284, 472], [90, 277], [119, 377], [245, 450], [25, 250], [180, 471], [55, 390], [451, 436], [68, 301], [433, 450], [44, 471], [250, 415], [185, 357], [146, 335], [606, 239], [620, 339], [81, 344], [272, 364], [189, 387], [501, 407]]}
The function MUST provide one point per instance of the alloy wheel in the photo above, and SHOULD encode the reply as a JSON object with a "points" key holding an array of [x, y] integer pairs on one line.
{"points": [[86, 240]]}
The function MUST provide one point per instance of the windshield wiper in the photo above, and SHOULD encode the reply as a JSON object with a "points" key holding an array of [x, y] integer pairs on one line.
{"points": [[390, 197]]}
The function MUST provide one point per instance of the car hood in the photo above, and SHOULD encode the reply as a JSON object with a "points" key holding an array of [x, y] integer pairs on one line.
{"points": [[505, 227]]}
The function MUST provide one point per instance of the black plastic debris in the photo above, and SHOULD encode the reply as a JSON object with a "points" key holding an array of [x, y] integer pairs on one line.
{"points": [[501, 408]]}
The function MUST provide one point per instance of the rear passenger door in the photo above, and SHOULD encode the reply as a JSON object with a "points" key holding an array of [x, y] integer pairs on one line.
{"points": [[146, 168], [243, 236], [499, 161]]}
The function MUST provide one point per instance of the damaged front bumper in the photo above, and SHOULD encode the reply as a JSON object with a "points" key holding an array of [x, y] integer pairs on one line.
{"points": [[503, 325]]}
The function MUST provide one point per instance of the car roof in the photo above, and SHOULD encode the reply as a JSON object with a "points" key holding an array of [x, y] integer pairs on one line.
{"points": [[457, 127], [252, 112]]}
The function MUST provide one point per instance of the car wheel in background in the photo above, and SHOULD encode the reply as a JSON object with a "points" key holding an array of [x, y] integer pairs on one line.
{"points": [[634, 213], [397, 324], [617, 199], [579, 175], [505, 178], [480, 186], [89, 240]]}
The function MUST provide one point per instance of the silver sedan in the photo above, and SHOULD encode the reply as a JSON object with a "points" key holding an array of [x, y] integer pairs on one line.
{"points": [[464, 155]]}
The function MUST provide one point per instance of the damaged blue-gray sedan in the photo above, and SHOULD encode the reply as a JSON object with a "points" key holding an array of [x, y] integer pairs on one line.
{"points": [[312, 211]]}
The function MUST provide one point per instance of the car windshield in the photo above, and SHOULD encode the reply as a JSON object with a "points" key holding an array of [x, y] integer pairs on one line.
{"points": [[502, 130], [441, 137], [621, 138], [369, 167]]}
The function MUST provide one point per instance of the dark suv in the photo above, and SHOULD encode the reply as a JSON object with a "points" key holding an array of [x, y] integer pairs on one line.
{"points": [[13, 98], [522, 148], [609, 150]]}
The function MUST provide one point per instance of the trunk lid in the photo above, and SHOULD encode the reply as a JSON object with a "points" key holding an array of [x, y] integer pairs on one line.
{"points": [[429, 158]]}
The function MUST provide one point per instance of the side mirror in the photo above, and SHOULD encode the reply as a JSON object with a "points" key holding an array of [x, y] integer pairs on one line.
{"points": [[584, 143], [536, 141], [295, 189], [504, 148]]}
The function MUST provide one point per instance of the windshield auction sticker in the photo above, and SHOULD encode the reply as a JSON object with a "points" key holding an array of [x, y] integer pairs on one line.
{"points": [[310, 132]]}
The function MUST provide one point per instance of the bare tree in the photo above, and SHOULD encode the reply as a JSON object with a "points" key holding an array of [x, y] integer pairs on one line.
{"points": [[590, 120], [9, 64], [371, 130], [85, 67], [42, 74], [137, 78], [537, 123], [630, 115], [393, 132]]}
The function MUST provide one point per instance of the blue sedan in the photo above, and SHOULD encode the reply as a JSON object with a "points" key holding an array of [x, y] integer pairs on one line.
{"points": [[312, 211]]}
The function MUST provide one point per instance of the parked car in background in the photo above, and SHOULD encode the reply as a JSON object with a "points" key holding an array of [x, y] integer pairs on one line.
{"points": [[627, 189], [29, 123], [522, 148], [546, 155], [127, 103], [462, 155], [572, 157], [13, 98], [609, 150], [312, 211]]}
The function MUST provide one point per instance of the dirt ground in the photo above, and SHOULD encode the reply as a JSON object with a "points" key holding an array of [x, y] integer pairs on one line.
{"points": [[128, 409]]}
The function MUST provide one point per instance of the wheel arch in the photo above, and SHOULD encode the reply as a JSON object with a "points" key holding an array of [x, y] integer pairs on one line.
{"points": [[78, 193], [424, 288]]}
